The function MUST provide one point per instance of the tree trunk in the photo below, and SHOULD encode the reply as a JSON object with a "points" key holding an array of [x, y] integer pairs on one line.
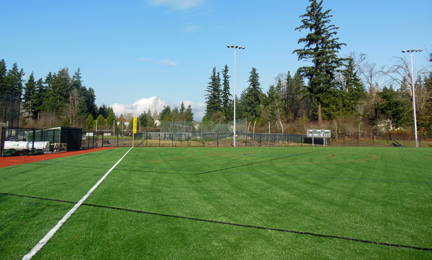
{"points": [[319, 114]]}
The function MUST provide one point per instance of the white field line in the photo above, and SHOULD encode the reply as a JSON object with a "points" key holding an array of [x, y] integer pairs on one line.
{"points": [[48, 236]]}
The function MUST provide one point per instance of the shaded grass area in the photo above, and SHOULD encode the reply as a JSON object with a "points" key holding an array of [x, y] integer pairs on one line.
{"points": [[374, 194], [24, 221]]}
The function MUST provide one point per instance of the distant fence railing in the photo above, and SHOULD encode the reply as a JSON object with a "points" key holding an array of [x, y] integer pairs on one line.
{"points": [[28, 140], [170, 139]]}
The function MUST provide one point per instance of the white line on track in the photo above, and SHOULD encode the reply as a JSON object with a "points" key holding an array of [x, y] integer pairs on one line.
{"points": [[48, 236]]}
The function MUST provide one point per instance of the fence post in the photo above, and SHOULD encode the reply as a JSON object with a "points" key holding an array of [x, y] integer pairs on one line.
{"points": [[34, 136], [2, 140]]}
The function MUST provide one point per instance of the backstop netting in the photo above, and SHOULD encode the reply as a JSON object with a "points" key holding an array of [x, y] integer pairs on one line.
{"points": [[10, 108]]}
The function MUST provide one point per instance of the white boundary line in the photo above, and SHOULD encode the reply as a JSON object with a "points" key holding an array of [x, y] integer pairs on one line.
{"points": [[48, 236]]}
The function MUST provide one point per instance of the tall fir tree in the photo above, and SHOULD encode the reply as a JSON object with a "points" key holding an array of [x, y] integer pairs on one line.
{"points": [[226, 94], [29, 95], [182, 108], [189, 114], [38, 102], [13, 80], [58, 91], [352, 90], [213, 95], [164, 114], [253, 94], [321, 47], [3, 72]]}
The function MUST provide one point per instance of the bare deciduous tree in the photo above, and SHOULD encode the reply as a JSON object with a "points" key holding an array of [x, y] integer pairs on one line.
{"points": [[71, 108]]}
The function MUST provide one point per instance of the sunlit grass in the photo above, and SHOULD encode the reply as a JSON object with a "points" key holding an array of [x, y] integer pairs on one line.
{"points": [[158, 202]]}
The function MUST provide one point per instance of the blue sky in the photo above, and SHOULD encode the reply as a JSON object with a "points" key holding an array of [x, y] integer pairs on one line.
{"points": [[130, 51]]}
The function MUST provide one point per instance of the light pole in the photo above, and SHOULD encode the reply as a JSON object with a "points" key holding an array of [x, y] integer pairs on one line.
{"points": [[235, 48], [413, 90]]}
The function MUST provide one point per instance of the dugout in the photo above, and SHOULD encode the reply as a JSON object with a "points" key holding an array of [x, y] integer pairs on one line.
{"points": [[61, 138]]}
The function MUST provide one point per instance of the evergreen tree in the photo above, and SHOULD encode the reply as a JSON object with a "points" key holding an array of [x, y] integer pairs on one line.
{"points": [[76, 80], [352, 90], [58, 91], [321, 47], [226, 95], [182, 108], [253, 94], [425, 115], [164, 114], [29, 95], [38, 102], [90, 101], [189, 114], [105, 110], [214, 94], [143, 119], [3, 71], [14, 80], [174, 115], [393, 107]]}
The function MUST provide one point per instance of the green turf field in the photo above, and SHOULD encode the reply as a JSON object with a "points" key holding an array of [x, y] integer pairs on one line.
{"points": [[223, 203]]}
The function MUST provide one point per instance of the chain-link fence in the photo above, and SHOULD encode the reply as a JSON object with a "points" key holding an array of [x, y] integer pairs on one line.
{"points": [[10, 104], [32, 141]]}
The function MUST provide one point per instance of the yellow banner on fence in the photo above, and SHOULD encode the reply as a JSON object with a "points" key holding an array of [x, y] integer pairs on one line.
{"points": [[134, 124]]}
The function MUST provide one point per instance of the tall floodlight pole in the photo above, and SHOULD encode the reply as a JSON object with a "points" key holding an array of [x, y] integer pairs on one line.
{"points": [[413, 91], [235, 48]]}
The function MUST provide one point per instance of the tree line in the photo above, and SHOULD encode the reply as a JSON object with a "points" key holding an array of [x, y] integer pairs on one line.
{"points": [[62, 100], [332, 90]]}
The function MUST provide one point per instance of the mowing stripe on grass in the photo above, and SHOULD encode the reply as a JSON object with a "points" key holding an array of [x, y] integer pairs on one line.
{"points": [[248, 164], [232, 224], [48, 236], [133, 168]]}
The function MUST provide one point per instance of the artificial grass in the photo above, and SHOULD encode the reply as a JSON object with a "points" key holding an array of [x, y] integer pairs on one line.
{"points": [[24, 221], [374, 194], [95, 233]]}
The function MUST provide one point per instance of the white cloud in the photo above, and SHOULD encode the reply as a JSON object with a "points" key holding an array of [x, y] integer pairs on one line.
{"points": [[177, 4], [155, 104], [169, 62], [198, 110], [140, 106]]}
